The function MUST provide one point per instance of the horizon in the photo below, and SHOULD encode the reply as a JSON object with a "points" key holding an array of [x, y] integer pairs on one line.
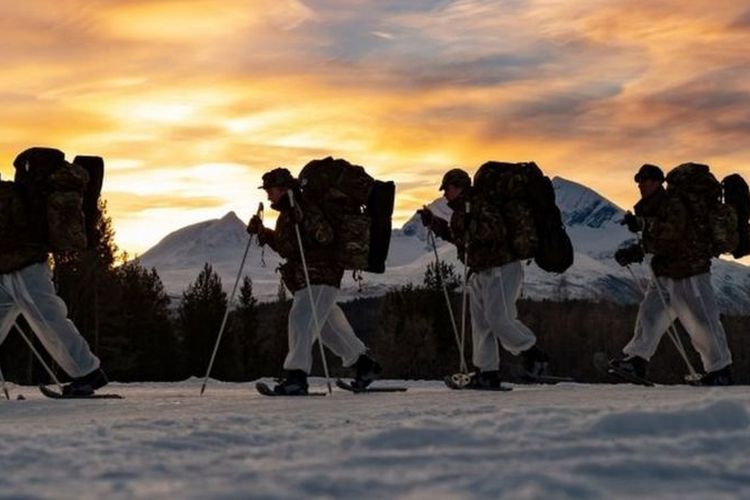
{"points": [[189, 114]]}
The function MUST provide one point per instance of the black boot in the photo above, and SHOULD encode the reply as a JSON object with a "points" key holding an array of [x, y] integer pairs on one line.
{"points": [[718, 377], [86, 385], [485, 380], [366, 371], [633, 365], [535, 361], [294, 383]]}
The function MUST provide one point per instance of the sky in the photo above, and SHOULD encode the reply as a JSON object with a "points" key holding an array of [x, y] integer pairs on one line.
{"points": [[189, 102]]}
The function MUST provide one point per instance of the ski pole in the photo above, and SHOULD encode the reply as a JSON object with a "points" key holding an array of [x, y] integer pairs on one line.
{"points": [[636, 280], [464, 292], [439, 273], [2, 383], [39, 357], [310, 295], [229, 305]]}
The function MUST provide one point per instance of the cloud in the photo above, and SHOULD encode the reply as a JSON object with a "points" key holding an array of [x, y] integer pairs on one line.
{"points": [[741, 22], [196, 99], [134, 203]]}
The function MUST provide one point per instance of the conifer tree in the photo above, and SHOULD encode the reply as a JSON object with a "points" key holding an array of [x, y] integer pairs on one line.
{"points": [[145, 324], [200, 314], [435, 276], [83, 277], [244, 329]]}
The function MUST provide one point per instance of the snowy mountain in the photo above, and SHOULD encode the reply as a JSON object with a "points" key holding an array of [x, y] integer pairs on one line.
{"points": [[592, 222]]}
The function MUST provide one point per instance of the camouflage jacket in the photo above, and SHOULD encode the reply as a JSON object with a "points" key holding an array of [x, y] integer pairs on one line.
{"points": [[679, 247], [317, 239], [483, 228]]}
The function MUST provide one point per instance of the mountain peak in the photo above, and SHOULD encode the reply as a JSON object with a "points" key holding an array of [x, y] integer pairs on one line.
{"points": [[231, 216], [582, 206]]}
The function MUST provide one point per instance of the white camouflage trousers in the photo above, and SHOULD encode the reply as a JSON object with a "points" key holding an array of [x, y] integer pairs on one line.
{"points": [[337, 334], [692, 301], [30, 292], [492, 295]]}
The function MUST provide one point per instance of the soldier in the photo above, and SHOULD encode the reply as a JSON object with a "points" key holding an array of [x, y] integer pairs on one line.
{"points": [[325, 280], [496, 276], [26, 286], [681, 285]]}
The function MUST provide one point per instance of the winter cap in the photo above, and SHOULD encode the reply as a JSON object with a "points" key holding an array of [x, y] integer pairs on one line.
{"points": [[455, 177], [278, 177], [648, 171]]}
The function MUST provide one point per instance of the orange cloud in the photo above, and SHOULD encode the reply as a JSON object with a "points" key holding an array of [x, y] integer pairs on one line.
{"points": [[189, 102]]}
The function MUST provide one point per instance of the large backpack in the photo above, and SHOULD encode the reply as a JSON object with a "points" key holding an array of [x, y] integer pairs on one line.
{"points": [[511, 184], [713, 223], [53, 194], [94, 167], [358, 207], [19, 243], [737, 195]]}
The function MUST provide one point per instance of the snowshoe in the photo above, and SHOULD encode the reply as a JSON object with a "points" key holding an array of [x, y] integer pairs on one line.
{"points": [[478, 381], [721, 377], [535, 362], [86, 385], [359, 390], [267, 390], [294, 384], [630, 369], [367, 370], [50, 393]]}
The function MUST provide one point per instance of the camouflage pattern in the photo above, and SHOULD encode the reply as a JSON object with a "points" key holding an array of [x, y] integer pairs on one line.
{"points": [[725, 237], [505, 181], [714, 223], [66, 221], [352, 240], [506, 186], [522, 231], [317, 239], [337, 182], [341, 190], [484, 229], [680, 245]]}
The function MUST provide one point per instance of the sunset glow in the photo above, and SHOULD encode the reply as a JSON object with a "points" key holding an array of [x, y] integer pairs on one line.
{"points": [[190, 102]]}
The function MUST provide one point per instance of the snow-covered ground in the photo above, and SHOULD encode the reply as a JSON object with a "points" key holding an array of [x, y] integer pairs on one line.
{"points": [[564, 441]]}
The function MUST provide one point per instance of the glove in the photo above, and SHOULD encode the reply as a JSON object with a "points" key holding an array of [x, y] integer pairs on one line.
{"points": [[426, 217], [629, 255], [634, 223], [255, 225]]}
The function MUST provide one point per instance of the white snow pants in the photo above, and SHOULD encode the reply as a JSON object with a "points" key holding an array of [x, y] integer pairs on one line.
{"points": [[692, 301], [30, 292], [492, 295], [337, 334]]}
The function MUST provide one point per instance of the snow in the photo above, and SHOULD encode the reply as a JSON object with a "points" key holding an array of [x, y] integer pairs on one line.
{"points": [[563, 441]]}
